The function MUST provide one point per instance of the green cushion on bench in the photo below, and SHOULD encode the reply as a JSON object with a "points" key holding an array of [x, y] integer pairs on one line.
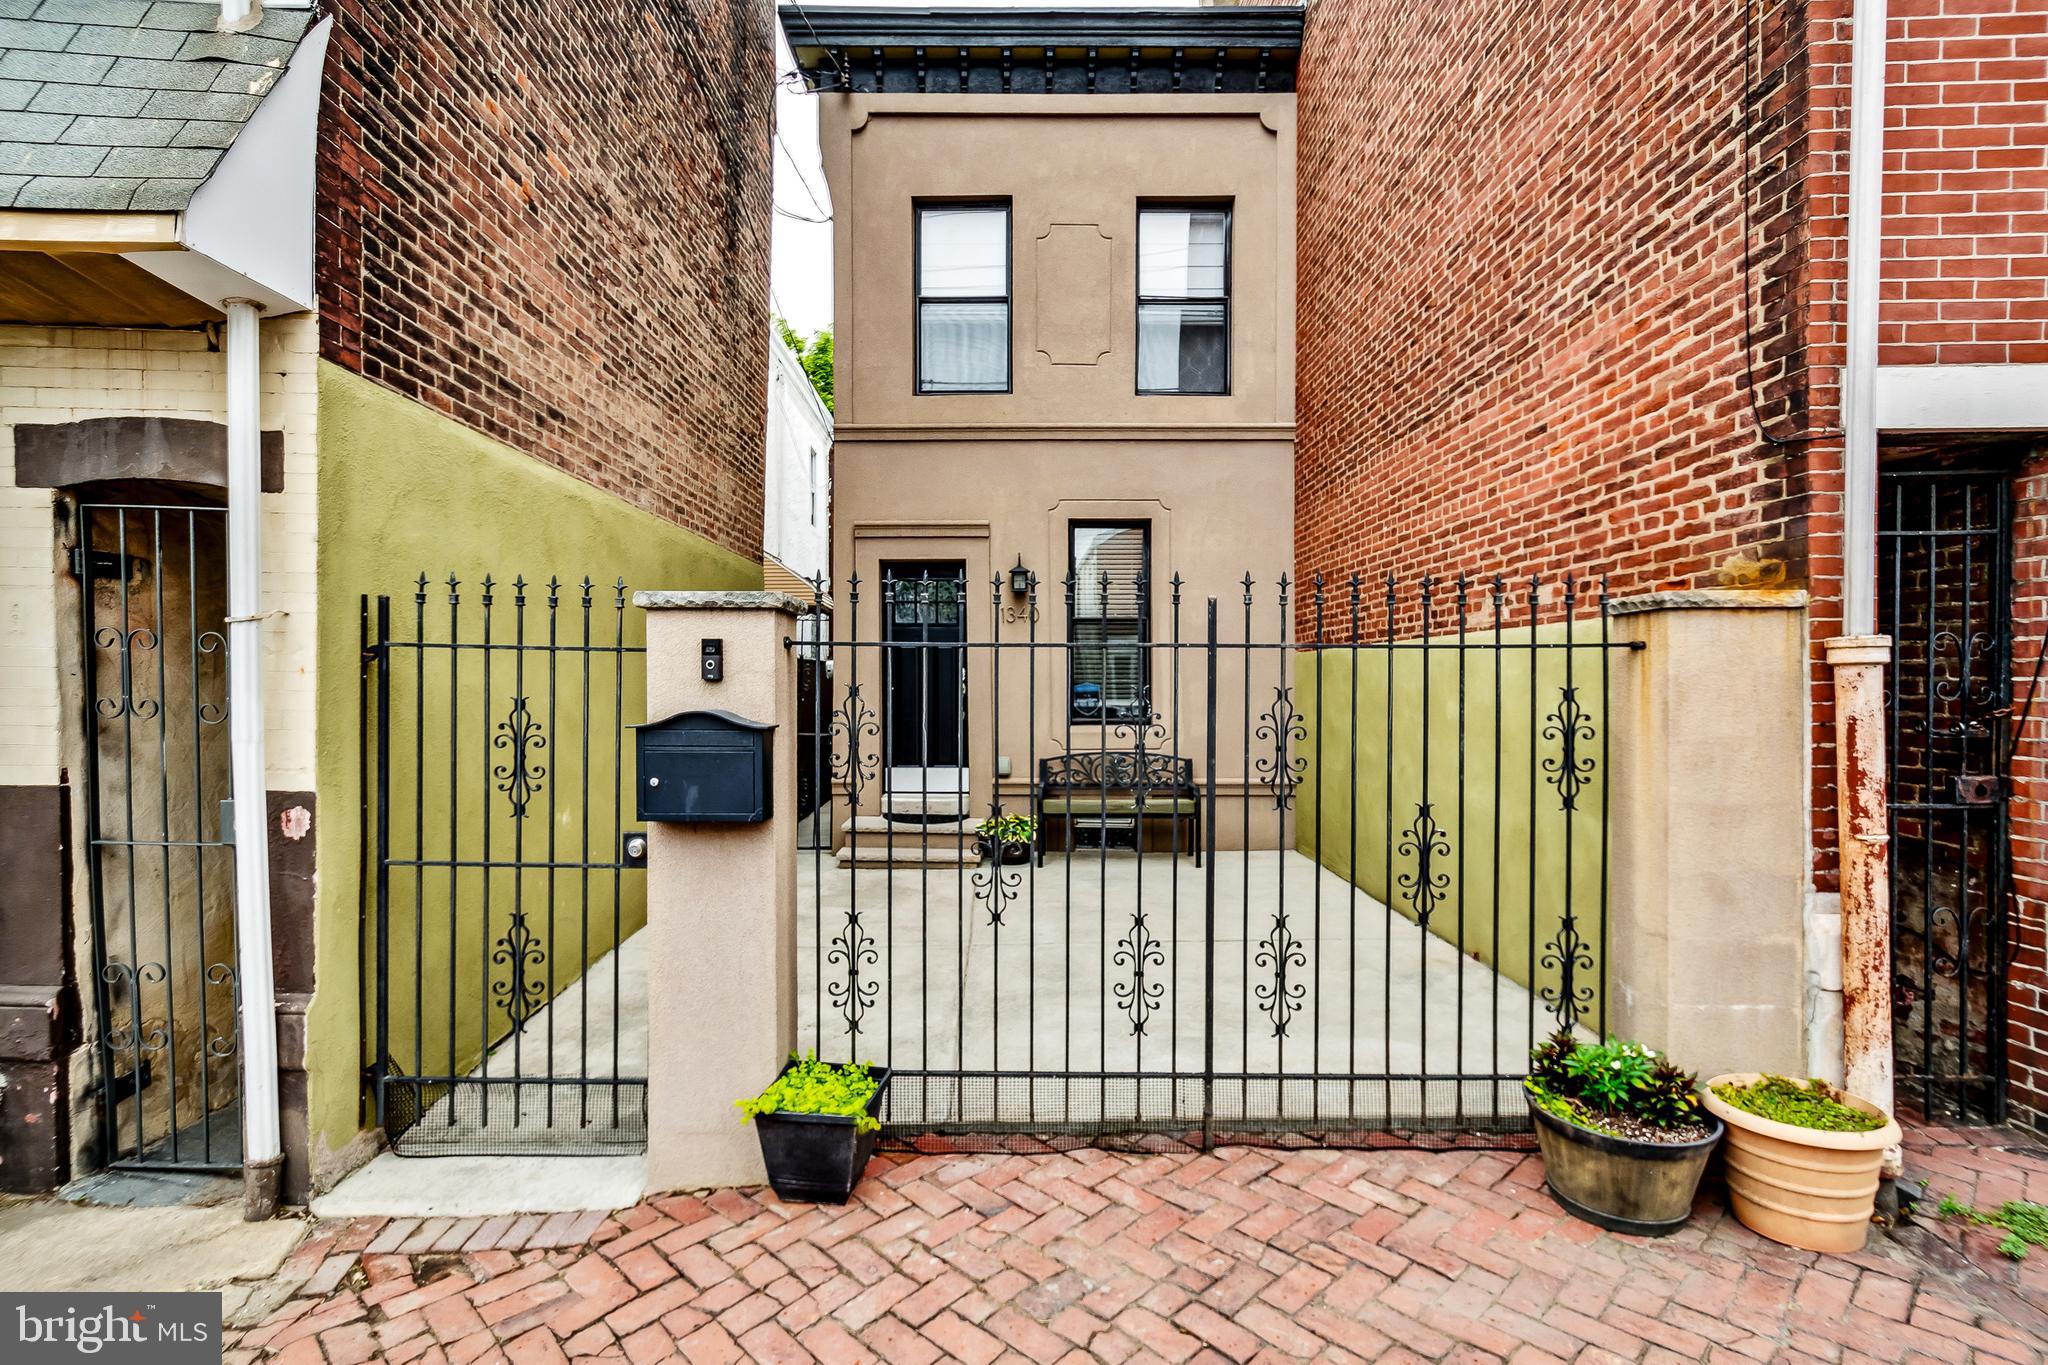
{"points": [[1119, 805]]}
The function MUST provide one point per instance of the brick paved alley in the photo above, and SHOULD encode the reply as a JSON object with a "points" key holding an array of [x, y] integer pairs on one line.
{"points": [[1244, 1254]]}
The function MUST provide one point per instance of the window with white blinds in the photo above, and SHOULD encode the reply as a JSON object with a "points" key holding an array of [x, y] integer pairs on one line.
{"points": [[1108, 670], [963, 298]]}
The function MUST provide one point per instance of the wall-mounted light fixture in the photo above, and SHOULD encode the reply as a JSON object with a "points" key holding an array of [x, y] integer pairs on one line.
{"points": [[1020, 578]]}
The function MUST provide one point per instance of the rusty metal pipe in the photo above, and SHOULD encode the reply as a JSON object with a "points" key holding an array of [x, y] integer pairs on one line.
{"points": [[1858, 663]]}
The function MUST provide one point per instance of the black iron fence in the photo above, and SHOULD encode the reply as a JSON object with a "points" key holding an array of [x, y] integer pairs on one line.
{"points": [[1122, 858], [508, 1007]]}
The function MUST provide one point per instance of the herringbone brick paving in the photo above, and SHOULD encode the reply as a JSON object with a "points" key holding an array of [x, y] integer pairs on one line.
{"points": [[1239, 1255]]}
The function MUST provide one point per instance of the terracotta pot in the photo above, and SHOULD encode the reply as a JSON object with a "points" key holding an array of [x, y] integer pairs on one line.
{"points": [[1619, 1183], [1801, 1186]]}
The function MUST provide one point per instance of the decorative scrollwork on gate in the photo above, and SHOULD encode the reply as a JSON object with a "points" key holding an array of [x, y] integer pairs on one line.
{"points": [[127, 641], [1568, 955], [1425, 841], [1281, 954], [521, 777], [1963, 669], [1143, 728], [518, 951], [1571, 729], [853, 949], [1139, 952], [212, 642], [855, 722], [1282, 727], [224, 974], [995, 886], [1964, 677]]}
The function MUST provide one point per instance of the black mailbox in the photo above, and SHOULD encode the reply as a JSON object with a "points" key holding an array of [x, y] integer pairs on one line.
{"points": [[706, 767]]}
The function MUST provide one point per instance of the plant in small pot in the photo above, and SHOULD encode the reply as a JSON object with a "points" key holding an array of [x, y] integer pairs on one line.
{"points": [[818, 1123], [1624, 1139], [1008, 838], [1803, 1158]]}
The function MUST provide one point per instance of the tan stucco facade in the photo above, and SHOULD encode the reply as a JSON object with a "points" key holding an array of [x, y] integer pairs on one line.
{"points": [[990, 479]]}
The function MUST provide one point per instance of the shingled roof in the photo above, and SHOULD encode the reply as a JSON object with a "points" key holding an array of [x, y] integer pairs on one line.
{"points": [[127, 104]]}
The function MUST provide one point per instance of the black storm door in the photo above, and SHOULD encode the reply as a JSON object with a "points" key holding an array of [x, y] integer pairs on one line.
{"points": [[924, 627]]}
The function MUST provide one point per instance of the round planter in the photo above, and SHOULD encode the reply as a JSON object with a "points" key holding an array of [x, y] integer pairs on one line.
{"points": [[1801, 1186], [1618, 1183]]}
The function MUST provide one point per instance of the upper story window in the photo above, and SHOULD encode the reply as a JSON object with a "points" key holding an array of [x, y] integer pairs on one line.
{"points": [[814, 487], [1184, 300], [963, 298]]}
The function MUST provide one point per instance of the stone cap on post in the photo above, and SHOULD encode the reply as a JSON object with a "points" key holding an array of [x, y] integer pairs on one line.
{"points": [[673, 599]]}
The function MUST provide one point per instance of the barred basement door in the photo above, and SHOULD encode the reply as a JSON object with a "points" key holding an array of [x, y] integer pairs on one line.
{"points": [[159, 865], [1944, 569], [509, 1012]]}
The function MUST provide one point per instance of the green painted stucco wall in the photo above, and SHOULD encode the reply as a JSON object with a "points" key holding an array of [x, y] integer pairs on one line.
{"points": [[404, 490], [1498, 878]]}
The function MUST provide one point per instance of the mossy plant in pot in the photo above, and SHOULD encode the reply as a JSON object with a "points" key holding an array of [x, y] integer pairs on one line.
{"points": [[818, 1123], [1624, 1138], [1008, 838], [1803, 1158]]}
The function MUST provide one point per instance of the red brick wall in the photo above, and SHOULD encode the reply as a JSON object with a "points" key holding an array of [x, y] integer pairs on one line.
{"points": [[1966, 183], [550, 221], [2027, 973], [1525, 341]]}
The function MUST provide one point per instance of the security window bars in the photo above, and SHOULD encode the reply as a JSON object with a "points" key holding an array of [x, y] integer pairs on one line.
{"points": [[963, 298], [1184, 300], [1106, 626]]}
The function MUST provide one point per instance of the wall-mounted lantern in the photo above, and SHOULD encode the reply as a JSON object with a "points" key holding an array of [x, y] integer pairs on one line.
{"points": [[1020, 578]]}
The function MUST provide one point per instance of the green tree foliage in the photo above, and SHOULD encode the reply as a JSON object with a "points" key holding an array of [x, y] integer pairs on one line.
{"points": [[814, 354]]}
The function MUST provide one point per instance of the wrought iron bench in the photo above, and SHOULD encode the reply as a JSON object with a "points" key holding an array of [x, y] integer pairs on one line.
{"points": [[1135, 784]]}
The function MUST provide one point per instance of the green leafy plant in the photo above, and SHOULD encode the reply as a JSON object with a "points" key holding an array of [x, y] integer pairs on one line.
{"points": [[1008, 829], [1804, 1104], [1596, 1084], [814, 1087], [814, 354], [2024, 1221]]}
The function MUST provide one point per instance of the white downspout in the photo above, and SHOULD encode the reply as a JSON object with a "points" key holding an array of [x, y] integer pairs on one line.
{"points": [[262, 1150], [1859, 373], [1858, 658]]}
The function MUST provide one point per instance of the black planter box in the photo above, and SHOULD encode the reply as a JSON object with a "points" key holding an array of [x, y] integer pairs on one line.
{"points": [[818, 1158]]}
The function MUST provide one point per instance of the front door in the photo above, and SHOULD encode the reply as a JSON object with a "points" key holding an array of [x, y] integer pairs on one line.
{"points": [[924, 629]]}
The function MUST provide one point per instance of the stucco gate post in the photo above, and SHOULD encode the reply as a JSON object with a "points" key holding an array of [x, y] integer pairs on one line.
{"points": [[721, 899]]}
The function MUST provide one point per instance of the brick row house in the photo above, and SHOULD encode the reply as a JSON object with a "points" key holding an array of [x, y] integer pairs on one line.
{"points": [[1596, 310], [302, 308]]}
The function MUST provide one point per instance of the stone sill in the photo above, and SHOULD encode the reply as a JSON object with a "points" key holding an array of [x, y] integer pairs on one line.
{"points": [[1711, 599]]}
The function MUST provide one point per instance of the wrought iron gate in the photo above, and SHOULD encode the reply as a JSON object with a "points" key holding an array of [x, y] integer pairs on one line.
{"points": [[1945, 562], [509, 1007], [1324, 864], [159, 865]]}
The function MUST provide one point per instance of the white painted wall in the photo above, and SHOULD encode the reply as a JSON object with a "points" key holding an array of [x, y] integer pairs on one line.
{"points": [[797, 518], [63, 374]]}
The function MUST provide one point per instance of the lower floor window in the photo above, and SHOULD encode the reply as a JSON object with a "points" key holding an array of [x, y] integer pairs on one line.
{"points": [[1108, 669]]}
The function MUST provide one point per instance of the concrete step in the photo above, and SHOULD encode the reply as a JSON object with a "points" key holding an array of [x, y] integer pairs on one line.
{"points": [[907, 854], [934, 803], [880, 827]]}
